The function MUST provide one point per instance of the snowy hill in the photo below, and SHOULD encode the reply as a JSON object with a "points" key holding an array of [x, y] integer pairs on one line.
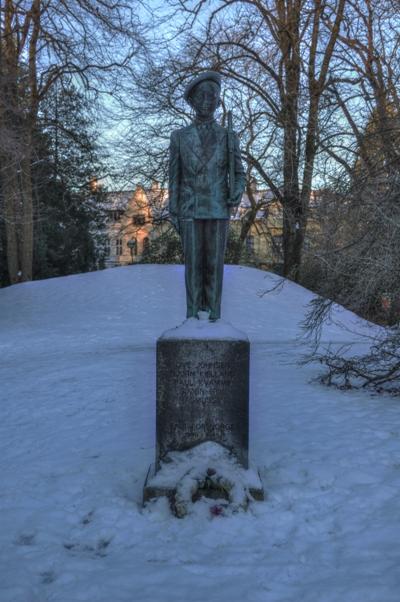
{"points": [[136, 303], [77, 409]]}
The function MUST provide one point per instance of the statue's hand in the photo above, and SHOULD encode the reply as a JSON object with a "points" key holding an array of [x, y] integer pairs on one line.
{"points": [[234, 201]]}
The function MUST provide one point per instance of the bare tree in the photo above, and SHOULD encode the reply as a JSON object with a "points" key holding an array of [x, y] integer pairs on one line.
{"points": [[354, 259], [43, 42], [291, 44]]}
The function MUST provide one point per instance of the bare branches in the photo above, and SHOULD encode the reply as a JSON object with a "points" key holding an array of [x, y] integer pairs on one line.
{"points": [[379, 369], [281, 52], [43, 42]]}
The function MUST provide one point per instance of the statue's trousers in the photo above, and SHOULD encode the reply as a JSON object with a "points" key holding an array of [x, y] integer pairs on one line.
{"points": [[204, 243]]}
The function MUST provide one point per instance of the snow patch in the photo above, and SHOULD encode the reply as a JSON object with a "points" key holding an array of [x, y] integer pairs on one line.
{"points": [[77, 415], [194, 328]]}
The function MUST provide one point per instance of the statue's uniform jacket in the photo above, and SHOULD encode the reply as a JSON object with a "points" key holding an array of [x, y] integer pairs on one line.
{"points": [[199, 204], [198, 180]]}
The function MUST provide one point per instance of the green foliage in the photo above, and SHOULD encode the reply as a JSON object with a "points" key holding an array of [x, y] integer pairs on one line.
{"points": [[237, 251], [165, 248], [69, 216], [68, 237], [233, 247]]}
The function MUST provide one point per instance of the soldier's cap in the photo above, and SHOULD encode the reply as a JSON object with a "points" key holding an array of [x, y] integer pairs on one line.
{"points": [[206, 75]]}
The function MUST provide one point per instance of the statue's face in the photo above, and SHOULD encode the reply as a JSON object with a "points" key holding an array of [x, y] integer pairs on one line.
{"points": [[205, 99]]}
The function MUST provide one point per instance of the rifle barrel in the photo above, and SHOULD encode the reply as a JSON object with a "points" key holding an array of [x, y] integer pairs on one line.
{"points": [[231, 157]]}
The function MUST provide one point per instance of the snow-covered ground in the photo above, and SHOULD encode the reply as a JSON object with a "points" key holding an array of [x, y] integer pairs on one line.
{"points": [[77, 412]]}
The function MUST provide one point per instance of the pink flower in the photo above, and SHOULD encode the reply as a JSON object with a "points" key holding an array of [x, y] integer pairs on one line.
{"points": [[216, 510]]}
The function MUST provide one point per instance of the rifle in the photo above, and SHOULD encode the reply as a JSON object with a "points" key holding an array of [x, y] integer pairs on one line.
{"points": [[231, 158]]}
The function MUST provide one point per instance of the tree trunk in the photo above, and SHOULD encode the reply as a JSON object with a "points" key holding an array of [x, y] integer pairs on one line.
{"points": [[289, 22], [246, 224], [27, 218], [10, 129], [18, 114], [11, 199]]}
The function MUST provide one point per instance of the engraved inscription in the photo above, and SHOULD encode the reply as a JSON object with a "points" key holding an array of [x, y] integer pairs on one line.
{"points": [[202, 394], [213, 374], [195, 430]]}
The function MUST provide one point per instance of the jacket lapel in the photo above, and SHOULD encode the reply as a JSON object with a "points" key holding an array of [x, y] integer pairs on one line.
{"points": [[193, 147]]}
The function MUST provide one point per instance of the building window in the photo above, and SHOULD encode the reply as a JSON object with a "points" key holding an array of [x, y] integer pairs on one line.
{"points": [[250, 243], [118, 246], [138, 220], [277, 243], [146, 244], [116, 215], [107, 246]]}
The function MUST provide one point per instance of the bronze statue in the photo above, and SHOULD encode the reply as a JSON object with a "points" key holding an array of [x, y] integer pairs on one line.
{"points": [[206, 180]]}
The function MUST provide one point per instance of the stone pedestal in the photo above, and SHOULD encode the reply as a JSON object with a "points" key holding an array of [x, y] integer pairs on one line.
{"points": [[203, 390], [202, 404]]}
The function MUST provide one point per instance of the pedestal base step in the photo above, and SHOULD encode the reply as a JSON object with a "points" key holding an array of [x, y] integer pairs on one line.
{"points": [[206, 470]]}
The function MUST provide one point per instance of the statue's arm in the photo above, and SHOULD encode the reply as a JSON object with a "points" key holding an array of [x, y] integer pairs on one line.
{"points": [[240, 174], [173, 179]]}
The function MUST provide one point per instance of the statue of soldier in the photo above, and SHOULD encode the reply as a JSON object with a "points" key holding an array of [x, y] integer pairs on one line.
{"points": [[200, 198]]}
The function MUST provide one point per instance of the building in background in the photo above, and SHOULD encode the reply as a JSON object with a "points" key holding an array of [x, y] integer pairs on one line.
{"points": [[136, 218]]}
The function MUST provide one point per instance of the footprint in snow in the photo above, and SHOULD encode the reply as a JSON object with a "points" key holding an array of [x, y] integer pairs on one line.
{"points": [[88, 518], [26, 539], [48, 577], [98, 550]]}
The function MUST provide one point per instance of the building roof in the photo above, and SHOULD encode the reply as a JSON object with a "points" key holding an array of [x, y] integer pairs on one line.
{"points": [[118, 199]]}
